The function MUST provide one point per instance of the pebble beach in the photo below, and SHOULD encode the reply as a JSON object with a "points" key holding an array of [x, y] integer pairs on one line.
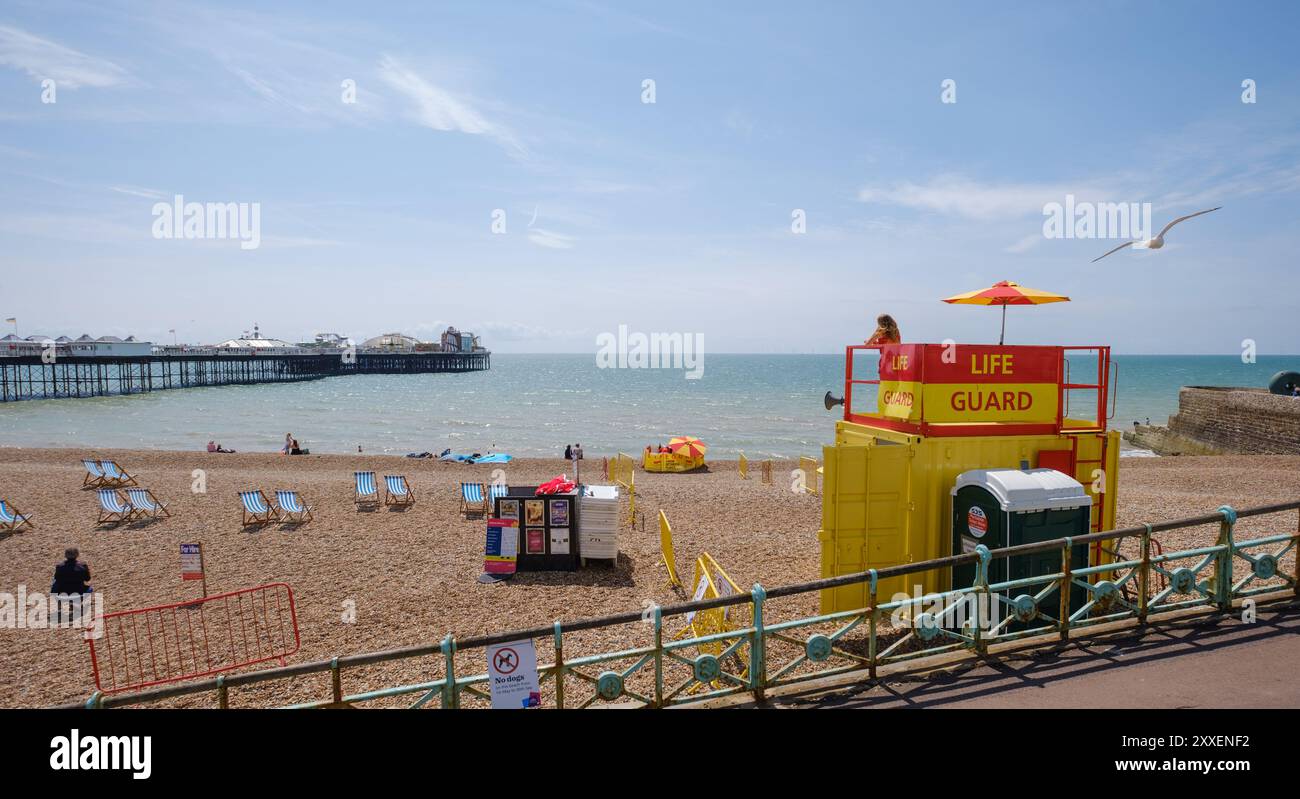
{"points": [[410, 575]]}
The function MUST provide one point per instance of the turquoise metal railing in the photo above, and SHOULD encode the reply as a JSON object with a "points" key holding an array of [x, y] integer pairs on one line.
{"points": [[758, 655]]}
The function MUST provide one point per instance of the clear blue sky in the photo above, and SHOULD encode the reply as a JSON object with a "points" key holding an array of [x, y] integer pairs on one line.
{"points": [[673, 216]]}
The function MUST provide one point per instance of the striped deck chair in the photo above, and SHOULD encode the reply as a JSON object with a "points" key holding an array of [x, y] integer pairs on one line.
{"points": [[473, 499], [94, 475], [292, 507], [365, 492], [496, 491], [10, 519], [144, 503], [113, 509], [115, 475], [398, 491], [257, 508]]}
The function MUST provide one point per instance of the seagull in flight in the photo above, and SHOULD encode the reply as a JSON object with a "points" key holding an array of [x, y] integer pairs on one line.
{"points": [[1159, 240]]}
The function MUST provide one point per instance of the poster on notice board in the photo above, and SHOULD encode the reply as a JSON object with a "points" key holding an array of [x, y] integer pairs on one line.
{"points": [[502, 546]]}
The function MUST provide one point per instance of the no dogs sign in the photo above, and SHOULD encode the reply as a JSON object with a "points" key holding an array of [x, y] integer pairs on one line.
{"points": [[512, 675]]}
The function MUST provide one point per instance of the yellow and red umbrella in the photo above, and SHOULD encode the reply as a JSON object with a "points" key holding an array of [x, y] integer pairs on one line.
{"points": [[690, 446], [1005, 293]]}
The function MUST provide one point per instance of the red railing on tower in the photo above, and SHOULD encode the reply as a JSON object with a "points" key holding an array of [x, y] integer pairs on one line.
{"points": [[976, 389]]}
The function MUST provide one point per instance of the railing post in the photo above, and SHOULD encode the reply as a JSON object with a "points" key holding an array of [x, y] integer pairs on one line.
{"points": [[336, 681], [757, 654], [223, 693], [95, 702], [982, 591], [1144, 576], [450, 695], [875, 623], [1223, 567], [559, 667], [1067, 587], [659, 657]]}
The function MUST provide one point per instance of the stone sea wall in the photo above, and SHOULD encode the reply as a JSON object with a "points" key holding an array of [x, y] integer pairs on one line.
{"points": [[1213, 420]]}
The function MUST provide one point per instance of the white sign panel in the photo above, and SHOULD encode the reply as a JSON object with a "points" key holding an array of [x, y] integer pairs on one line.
{"points": [[191, 562], [512, 675], [700, 588]]}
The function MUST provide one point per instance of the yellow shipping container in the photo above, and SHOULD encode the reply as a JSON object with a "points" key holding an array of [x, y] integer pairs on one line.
{"points": [[886, 497]]}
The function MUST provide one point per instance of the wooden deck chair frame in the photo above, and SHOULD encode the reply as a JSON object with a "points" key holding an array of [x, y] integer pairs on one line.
{"points": [[160, 510], [398, 500], [20, 519], [93, 479], [364, 500], [467, 507], [114, 518], [286, 515], [272, 513], [123, 479]]}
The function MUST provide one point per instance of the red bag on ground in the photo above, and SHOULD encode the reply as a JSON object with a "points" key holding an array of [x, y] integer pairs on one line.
{"points": [[556, 485]]}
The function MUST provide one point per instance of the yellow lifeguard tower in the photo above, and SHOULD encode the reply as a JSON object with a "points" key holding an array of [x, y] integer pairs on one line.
{"points": [[918, 415]]}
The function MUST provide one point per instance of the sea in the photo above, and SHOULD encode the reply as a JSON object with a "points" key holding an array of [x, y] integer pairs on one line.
{"points": [[533, 405]]}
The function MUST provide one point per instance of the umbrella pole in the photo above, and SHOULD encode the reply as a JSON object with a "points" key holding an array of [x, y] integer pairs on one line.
{"points": [[1002, 336]]}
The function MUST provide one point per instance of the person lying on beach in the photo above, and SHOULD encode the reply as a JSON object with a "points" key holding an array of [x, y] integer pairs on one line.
{"points": [[215, 447], [886, 331]]}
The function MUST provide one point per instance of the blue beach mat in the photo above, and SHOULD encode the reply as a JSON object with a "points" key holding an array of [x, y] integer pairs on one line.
{"points": [[459, 457]]}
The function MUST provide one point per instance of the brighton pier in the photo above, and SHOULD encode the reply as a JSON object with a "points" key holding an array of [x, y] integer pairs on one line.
{"points": [[64, 376]]}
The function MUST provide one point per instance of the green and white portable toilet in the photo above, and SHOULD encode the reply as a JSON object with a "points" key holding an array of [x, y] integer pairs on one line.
{"points": [[1008, 507]]}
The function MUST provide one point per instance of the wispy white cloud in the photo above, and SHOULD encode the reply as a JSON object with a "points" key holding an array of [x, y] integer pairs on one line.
{"points": [[138, 191], [265, 90], [42, 58], [1025, 244], [550, 239], [291, 242], [515, 331], [960, 196], [440, 109]]}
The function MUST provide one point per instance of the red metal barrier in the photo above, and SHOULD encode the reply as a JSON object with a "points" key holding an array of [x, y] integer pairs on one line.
{"points": [[197, 638]]}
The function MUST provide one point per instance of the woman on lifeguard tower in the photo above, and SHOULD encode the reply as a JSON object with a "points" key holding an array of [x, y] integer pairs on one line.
{"points": [[886, 331]]}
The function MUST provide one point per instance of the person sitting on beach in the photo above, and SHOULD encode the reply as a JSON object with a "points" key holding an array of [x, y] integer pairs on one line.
{"points": [[288, 444], [886, 331], [568, 452], [577, 452], [212, 446], [294, 448], [71, 578]]}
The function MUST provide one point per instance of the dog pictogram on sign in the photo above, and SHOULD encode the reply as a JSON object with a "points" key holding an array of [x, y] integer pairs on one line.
{"points": [[506, 660]]}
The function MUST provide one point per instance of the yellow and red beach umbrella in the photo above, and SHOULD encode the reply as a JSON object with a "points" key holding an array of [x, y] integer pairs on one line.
{"points": [[690, 446], [1005, 293]]}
